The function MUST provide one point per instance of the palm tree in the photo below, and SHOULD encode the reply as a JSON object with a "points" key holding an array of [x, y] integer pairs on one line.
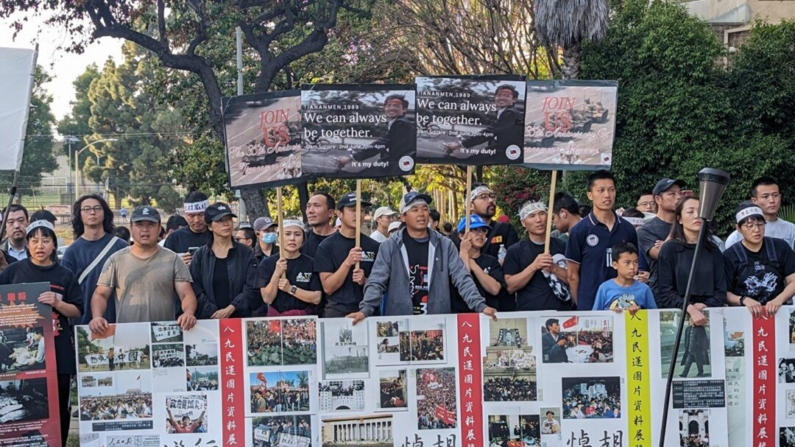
{"points": [[568, 23]]}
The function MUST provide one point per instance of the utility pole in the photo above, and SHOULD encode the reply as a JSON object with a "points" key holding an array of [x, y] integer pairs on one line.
{"points": [[239, 42]]}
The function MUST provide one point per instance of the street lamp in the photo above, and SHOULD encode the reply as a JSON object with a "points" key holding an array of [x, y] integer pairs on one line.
{"points": [[77, 157]]}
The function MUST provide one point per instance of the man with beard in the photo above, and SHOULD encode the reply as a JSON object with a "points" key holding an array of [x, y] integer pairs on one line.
{"points": [[507, 130], [667, 194], [187, 240], [483, 203], [92, 224], [319, 212]]}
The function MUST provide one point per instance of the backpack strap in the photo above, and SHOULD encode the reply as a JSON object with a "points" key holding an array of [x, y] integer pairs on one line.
{"points": [[770, 247], [97, 260]]}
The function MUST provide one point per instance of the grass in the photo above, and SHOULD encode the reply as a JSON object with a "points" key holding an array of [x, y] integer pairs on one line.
{"points": [[73, 441]]}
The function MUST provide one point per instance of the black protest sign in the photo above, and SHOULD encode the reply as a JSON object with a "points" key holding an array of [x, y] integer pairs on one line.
{"points": [[263, 139], [471, 120], [358, 131]]}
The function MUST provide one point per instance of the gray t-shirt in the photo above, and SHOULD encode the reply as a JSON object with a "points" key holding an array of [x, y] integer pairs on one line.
{"points": [[651, 232], [778, 229], [145, 288]]}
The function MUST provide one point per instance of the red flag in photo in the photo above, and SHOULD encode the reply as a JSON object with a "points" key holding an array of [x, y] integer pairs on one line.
{"points": [[261, 378], [570, 323], [275, 326], [445, 415]]}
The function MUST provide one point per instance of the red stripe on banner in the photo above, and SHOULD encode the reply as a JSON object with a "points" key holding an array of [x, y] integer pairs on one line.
{"points": [[232, 392], [764, 403], [469, 380]]}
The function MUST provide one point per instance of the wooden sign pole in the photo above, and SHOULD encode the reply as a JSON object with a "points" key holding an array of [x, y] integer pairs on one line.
{"points": [[549, 211], [280, 217], [467, 199]]}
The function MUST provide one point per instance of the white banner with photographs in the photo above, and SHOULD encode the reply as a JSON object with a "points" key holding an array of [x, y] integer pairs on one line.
{"points": [[453, 380]]}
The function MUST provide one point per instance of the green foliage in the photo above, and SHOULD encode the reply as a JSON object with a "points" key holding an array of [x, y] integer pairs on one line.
{"points": [[76, 123]]}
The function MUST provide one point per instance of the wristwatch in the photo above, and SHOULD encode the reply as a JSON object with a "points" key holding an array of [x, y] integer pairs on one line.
{"points": [[742, 300], [293, 289]]}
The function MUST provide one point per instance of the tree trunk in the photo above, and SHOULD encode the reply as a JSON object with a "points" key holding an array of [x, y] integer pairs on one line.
{"points": [[256, 206], [572, 57]]}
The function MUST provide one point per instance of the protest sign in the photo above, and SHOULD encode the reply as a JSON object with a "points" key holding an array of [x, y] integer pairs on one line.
{"points": [[570, 125], [358, 131], [263, 139], [470, 120], [29, 411]]}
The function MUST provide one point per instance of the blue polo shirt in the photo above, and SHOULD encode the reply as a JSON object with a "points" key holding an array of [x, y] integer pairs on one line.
{"points": [[590, 245]]}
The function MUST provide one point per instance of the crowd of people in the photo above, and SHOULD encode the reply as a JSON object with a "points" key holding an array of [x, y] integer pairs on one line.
{"points": [[271, 429], [601, 401], [278, 399], [109, 408], [509, 389], [437, 394], [422, 345]]}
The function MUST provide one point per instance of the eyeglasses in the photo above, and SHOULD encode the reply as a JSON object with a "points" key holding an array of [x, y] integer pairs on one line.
{"points": [[754, 225], [642, 204], [486, 196], [89, 209]]}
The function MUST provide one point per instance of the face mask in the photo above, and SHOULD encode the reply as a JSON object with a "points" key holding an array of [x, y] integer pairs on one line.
{"points": [[269, 238]]}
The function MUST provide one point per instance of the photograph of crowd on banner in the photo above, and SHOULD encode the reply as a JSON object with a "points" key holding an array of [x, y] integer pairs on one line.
{"points": [[358, 131], [263, 139], [570, 124], [472, 120], [29, 411]]}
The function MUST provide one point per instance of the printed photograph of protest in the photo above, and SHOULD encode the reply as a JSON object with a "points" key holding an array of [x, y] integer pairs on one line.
{"points": [[476, 120], [790, 414], [23, 400], [279, 392], [96, 380], [186, 414], [570, 124], [577, 340], [733, 338], [393, 389], [363, 431], [281, 431], [345, 350], [792, 329], [514, 430], [22, 349], [121, 347], [507, 348], [202, 378], [516, 387], [786, 371], [436, 398], [694, 352], [694, 428], [204, 354], [358, 130], [168, 355], [550, 421], [263, 138], [786, 436], [387, 336], [129, 398], [424, 343], [264, 338], [166, 332], [341, 395], [299, 341], [591, 397]]}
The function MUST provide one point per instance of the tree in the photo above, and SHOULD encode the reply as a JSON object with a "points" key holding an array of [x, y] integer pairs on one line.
{"points": [[37, 156], [569, 23], [76, 123]]}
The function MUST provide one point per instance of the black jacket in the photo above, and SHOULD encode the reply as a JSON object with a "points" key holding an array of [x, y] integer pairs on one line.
{"points": [[242, 271], [399, 140], [673, 269], [508, 129]]}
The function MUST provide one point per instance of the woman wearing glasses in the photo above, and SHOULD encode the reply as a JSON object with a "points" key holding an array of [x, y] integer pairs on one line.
{"points": [[760, 270]]}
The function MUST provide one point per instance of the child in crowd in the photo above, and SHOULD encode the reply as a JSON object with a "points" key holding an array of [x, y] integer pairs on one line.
{"points": [[624, 292]]}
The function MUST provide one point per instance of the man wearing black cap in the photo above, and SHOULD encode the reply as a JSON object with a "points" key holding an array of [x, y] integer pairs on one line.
{"points": [[667, 194], [146, 278], [187, 240], [416, 269], [336, 258]]}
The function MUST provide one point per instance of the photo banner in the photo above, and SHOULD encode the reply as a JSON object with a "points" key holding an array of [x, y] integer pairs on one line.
{"points": [[470, 120], [29, 412], [554, 379], [570, 125], [263, 139], [358, 131]]}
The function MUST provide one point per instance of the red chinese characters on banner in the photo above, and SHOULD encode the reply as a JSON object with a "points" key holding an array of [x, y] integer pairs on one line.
{"points": [[764, 403], [469, 385], [232, 381]]}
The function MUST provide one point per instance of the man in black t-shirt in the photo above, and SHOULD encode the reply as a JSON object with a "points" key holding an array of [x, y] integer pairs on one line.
{"points": [[187, 240], [319, 212], [667, 194], [336, 259], [526, 263], [486, 271]]}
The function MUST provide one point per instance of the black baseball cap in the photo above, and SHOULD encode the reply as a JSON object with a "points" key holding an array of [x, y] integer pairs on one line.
{"points": [[147, 213], [665, 184], [350, 200], [217, 211]]}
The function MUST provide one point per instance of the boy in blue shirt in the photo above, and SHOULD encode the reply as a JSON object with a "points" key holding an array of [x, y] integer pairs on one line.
{"points": [[624, 292]]}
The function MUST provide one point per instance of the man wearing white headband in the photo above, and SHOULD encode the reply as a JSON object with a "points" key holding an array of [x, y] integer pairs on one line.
{"points": [[526, 262], [760, 269], [187, 240], [483, 202], [766, 194], [416, 268]]}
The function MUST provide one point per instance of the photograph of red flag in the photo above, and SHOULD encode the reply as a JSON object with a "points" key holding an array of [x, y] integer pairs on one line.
{"points": [[570, 323]]}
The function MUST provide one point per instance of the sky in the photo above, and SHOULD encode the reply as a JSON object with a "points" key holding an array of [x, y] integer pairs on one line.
{"points": [[64, 67]]}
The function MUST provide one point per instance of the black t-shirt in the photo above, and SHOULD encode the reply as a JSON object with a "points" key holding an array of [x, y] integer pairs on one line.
{"points": [[490, 265], [651, 232], [760, 279], [221, 289], [500, 234], [300, 273], [63, 282], [313, 241], [417, 251], [329, 257], [184, 239], [536, 294]]}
